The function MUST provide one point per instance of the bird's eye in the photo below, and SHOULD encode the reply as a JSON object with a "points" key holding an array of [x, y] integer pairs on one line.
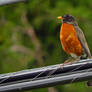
{"points": [[69, 19]]}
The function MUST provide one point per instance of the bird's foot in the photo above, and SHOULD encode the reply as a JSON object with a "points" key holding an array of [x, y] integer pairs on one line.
{"points": [[70, 61]]}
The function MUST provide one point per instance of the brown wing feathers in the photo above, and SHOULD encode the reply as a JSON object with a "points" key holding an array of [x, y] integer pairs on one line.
{"points": [[83, 42]]}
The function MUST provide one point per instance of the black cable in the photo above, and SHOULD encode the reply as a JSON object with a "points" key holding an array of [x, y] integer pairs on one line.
{"points": [[60, 79], [29, 79], [44, 71]]}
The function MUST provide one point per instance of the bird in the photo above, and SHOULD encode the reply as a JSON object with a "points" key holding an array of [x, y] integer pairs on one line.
{"points": [[73, 40]]}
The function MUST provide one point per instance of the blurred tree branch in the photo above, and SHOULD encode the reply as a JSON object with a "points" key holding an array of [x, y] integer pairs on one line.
{"points": [[31, 33]]}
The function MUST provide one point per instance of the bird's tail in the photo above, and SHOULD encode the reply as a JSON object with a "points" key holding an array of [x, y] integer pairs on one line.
{"points": [[89, 83]]}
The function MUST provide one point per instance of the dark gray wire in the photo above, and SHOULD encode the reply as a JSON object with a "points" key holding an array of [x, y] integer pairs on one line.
{"points": [[50, 73], [4, 2], [47, 82]]}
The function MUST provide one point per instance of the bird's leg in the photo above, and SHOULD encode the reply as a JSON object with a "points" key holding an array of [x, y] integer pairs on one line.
{"points": [[68, 61], [71, 61], [75, 60]]}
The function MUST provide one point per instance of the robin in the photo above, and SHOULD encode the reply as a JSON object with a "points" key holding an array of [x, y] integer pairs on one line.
{"points": [[73, 40]]}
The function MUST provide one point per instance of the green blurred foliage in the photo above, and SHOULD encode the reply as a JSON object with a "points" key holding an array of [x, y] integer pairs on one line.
{"points": [[19, 49]]}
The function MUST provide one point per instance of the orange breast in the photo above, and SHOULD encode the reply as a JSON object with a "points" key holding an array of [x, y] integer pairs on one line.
{"points": [[69, 40]]}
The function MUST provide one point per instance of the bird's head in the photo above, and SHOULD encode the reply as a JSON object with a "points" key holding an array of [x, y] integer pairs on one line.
{"points": [[67, 19]]}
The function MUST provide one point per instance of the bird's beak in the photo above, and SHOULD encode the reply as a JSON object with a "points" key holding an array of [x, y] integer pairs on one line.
{"points": [[59, 17]]}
